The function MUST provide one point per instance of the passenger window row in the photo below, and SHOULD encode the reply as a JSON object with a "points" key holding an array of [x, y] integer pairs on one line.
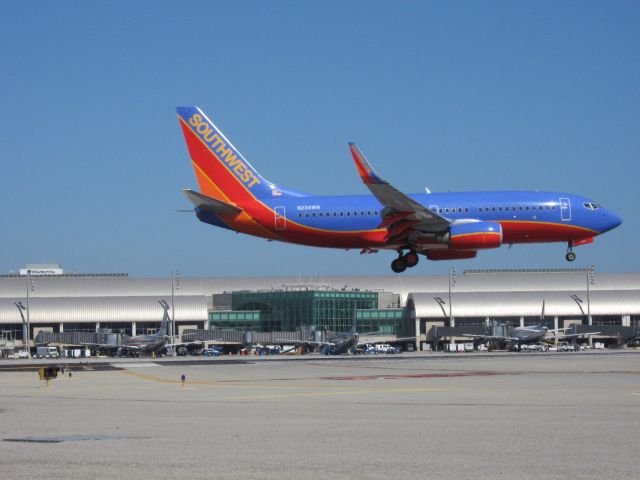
{"points": [[355, 213], [520, 208], [451, 210], [368, 213]]}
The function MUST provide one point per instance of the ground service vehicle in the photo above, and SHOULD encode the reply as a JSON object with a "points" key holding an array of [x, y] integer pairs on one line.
{"points": [[47, 352], [211, 352]]}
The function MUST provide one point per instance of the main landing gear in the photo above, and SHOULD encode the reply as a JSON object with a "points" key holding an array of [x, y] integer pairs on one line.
{"points": [[570, 256], [408, 260]]}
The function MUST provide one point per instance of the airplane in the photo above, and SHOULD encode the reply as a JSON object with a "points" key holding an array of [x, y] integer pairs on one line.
{"points": [[147, 344], [335, 343], [531, 334], [340, 343], [519, 335], [440, 226]]}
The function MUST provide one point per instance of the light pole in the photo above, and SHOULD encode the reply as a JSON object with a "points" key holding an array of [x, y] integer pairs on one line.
{"points": [[579, 301], [175, 285], [590, 281], [442, 303], [20, 306], [452, 283]]}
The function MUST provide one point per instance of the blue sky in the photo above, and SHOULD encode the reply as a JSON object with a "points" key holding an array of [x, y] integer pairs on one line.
{"points": [[453, 96]]}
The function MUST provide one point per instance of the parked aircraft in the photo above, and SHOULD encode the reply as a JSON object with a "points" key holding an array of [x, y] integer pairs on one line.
{"points": [[143, 344], [519, 336], [339, 343], [531, 334], [440, 226], [334, 343], [147, 344]]}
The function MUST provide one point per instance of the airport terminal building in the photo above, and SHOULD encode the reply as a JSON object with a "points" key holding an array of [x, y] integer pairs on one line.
{"points": [[429, 309]]}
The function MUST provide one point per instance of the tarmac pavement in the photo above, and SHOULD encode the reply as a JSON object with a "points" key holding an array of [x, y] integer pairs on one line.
{"points": [[410, 416]]}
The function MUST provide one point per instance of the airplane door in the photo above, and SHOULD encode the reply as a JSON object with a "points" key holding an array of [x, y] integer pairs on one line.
{"points": [[280, 218], [565, 210]]}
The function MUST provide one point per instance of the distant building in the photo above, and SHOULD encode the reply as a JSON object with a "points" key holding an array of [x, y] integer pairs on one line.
{"points": [[308, 309], [418, 306], [41, 269]]}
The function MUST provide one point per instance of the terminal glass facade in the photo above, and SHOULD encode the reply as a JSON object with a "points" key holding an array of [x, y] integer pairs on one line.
{"points": [[89, 327], [606, 319], [291, 310], [10, 332], [384, 321], [470, 321], [246, 320]]}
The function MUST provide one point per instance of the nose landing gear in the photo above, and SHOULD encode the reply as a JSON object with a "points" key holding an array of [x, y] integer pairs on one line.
{"points": [[408, 260], [570, 256]]}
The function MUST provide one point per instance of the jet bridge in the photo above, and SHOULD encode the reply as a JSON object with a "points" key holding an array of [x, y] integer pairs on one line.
{"points": [[78, 338]]}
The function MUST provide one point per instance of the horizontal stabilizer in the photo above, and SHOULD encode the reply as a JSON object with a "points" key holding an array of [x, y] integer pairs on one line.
{"points": [[211, 205]]}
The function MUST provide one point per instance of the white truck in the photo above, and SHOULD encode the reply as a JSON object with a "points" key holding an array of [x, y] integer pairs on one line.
{"points": [[47, 352]]}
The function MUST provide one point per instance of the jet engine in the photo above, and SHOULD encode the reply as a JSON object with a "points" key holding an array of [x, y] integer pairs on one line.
{"points": [[474, 236]]}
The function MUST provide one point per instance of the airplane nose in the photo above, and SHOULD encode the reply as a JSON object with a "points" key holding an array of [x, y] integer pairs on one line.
{"points": [[611, 220]]}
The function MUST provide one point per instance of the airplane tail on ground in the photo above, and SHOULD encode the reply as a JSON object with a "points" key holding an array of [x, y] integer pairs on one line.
{"points": [[222, 172], [163, 325]]}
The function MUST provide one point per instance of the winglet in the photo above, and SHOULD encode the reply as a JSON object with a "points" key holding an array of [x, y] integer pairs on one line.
{"points": [[366, 171]]}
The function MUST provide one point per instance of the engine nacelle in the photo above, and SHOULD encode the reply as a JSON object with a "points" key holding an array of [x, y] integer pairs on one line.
{"points": [[475, 235], [447, 254]]}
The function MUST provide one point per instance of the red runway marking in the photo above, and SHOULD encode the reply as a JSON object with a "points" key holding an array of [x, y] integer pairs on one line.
{"points": [[415, 375]]}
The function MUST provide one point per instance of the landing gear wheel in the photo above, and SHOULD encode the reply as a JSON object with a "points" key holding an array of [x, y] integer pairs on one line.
{"points": [[398, 265], [570, 256], [411, 259]]}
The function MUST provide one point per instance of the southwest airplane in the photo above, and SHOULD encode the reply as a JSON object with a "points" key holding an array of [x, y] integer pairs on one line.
{"points": [[441, 226]]}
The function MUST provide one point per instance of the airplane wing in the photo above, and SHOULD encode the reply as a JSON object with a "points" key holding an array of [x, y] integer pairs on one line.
{"points": [[211, 205], [533, 330], [303, 342], [402, 215]]}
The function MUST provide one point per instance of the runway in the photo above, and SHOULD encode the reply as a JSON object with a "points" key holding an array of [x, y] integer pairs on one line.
{"points": [[504, 416]]}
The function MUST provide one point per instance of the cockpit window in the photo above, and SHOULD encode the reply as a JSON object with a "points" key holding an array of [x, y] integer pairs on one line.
{"points": [[591, 205]]}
